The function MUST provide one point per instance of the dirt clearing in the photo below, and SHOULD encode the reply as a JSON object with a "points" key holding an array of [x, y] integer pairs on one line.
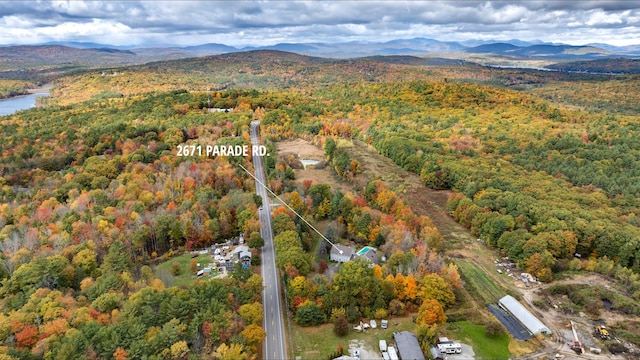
{"points": [[303, 149]]}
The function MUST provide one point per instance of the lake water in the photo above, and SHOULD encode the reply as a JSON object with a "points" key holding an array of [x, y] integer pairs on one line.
{"points": [[9, 106]]}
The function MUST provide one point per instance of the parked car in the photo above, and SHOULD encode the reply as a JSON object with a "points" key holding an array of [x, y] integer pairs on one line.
{"points": [[384, 324]]}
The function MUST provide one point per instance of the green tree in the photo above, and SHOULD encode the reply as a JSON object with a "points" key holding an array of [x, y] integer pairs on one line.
{"points": [[117, 259], [319, 192], [251, 313], [330, 148], [356, 283], [282, 223], [176, 269], [309, 314], [255, 240], [86, 261]]}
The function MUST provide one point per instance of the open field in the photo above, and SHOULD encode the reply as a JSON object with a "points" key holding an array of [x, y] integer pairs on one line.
{"points": [[485, 347], [319, 342], [479, 283], [163, 270], [305, 150]]}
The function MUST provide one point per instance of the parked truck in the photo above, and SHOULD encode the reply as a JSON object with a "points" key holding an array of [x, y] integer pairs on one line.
{"points": [[446, 346]]}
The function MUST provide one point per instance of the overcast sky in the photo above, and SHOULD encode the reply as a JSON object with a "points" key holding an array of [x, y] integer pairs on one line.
{"points": [[241, 23]]}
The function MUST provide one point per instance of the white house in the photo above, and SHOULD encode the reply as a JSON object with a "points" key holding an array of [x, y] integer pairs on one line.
{"points": [[347, 253], [235, 253]]}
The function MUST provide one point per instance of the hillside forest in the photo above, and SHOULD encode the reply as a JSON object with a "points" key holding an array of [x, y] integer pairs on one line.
{"points": [[93, 197]]}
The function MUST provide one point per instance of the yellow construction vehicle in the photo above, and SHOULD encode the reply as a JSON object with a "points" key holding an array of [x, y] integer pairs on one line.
{"points": [[602, 331]]}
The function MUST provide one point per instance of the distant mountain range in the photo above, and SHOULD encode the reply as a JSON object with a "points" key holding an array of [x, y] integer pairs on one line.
{"points": [[415, 46], [542, 51], [67, 56]]}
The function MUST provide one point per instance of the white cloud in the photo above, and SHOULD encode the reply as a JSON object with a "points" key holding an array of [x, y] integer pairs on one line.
{"points": [[268, 22]]}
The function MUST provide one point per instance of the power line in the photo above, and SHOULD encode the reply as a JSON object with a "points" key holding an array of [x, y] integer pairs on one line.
{"points": [[289, 207]]}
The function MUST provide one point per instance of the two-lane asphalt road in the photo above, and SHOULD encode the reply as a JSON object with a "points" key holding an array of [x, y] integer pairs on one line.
{"points": [[274, 345]]}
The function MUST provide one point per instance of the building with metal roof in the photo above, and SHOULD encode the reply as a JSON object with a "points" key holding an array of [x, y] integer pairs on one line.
{"points": [[408, 346], [524, 316]]}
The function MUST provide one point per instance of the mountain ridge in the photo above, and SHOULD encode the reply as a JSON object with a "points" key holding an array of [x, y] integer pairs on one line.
{"points": [[410, 46]]}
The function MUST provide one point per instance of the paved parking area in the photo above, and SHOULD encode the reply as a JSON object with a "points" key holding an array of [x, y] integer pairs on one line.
{"points": [[467, 354]]}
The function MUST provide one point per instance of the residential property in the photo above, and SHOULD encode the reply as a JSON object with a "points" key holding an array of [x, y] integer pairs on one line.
{"points": [[368, 253], [524, 316], [240, 251], [347, 253], [408, 346], [244, 256]]}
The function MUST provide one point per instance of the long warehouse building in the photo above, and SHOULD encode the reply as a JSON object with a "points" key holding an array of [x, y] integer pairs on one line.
{"points": [[524, 316]]}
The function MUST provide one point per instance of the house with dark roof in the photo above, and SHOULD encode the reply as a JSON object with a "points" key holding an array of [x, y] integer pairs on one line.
{"points": [[408, 346], [346, 255], [368, 253]]}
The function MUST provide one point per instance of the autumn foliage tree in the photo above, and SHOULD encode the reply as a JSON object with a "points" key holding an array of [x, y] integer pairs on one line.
{"points": [[430, 312]]}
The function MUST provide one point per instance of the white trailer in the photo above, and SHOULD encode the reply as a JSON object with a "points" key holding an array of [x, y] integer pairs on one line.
{"points": [[393, 355], [383, 345]]}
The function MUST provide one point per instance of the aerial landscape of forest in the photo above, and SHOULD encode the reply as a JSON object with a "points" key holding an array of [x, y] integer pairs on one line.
{"points": [[415, 199]]}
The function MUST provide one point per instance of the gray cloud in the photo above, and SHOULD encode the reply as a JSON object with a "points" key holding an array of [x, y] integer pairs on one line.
{"points": [[269, 22]]}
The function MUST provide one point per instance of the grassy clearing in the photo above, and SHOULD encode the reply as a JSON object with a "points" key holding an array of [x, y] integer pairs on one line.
{"points": [[163, 270], [484, 346], [318, 342], [479, 284], [628, 330]]}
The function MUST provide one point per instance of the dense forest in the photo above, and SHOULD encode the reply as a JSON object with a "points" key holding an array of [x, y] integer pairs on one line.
{"points": [[91, 202], [93, 196]]}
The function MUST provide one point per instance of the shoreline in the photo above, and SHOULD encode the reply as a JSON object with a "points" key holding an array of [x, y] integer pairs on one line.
{"points": [[43, 89]]}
